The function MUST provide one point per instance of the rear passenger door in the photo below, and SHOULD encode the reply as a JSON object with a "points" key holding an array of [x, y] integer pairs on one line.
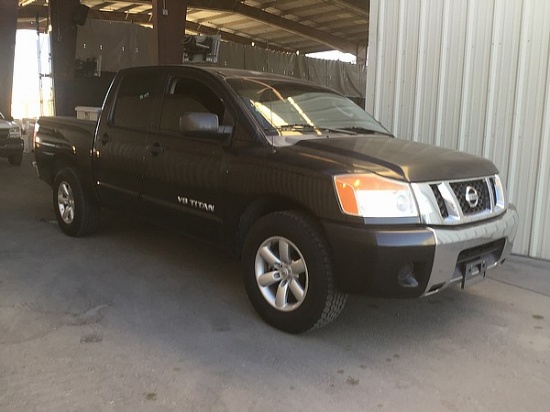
{"points": [[183, 170], [120, 146]]}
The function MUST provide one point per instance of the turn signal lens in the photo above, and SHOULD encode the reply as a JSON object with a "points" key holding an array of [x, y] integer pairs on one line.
{"points": [[369, 195]]}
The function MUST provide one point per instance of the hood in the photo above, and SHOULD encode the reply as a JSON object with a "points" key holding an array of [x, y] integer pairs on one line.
{"points": [[6, 124], [398, 159]]}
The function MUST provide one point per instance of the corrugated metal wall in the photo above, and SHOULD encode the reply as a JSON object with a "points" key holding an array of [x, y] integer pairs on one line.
{"points": [[472, 75]]}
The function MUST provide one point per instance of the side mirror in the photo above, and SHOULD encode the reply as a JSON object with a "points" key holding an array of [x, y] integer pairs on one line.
{"points": [[199, 122], [204, 125]]}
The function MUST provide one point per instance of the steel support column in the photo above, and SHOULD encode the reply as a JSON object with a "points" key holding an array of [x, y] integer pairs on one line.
{"points": [[8, 28], [169, 30], [63, 43], [362, 54]]}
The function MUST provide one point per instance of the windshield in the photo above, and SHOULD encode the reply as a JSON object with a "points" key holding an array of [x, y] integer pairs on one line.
{"points": [[289, 112]]}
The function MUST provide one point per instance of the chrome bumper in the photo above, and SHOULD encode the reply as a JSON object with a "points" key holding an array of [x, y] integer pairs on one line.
{"points": [[450, 243]]}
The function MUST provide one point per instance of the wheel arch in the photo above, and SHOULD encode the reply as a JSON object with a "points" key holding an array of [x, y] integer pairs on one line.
{"points": [[261, 207], [61, 161]]}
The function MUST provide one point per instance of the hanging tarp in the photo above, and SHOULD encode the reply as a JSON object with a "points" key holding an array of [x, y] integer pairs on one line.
{"points": [[113, 45], [117, 46]]}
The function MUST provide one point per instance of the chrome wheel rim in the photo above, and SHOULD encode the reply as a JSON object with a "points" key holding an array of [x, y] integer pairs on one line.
{"points": [[65, 202], [281, 274]]}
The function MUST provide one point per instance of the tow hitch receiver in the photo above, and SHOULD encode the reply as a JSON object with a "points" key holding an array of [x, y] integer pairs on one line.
{"points": [[473, 272]]}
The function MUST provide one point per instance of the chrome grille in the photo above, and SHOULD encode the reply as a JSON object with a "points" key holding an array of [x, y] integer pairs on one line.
{"points": [[493, 188], [460, 201], [440, 201], [483, 198]]}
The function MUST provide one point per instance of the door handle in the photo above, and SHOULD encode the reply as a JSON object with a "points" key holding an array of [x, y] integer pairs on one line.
{"points": [[155, 149], [104, 139]]}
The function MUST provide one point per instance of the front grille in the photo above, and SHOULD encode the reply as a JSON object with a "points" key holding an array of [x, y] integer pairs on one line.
{"points": [[440, 202], [460, 202], [460, 190], [4, 133]]}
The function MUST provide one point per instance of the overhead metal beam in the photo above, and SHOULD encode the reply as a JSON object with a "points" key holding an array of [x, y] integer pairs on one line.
{"points": [[281, 22], [359, 9], [42, 12], [120, 16], [24, 3], [232, 6], [100, 5]]}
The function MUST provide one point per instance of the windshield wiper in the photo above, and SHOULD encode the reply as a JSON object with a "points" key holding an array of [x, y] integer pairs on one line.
{"points": [[365, 130], [308, 127]]}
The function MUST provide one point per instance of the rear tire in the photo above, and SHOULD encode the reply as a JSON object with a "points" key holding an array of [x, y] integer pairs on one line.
{"points": [[288, 274], [15, 160], [77, 215]]}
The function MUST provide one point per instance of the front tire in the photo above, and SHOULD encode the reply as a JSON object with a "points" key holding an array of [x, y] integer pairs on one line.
{"points": [[76, 214], [288, 274]]}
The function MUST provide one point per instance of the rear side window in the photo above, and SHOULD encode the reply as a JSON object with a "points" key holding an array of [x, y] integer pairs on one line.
{"points": [[135, 99]]}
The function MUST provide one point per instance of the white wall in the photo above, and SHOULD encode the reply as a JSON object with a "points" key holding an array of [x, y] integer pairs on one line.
{"points": [[472, 75]]}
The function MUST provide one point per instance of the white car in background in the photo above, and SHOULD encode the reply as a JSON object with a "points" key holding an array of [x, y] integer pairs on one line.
{"points": [[11, 144]]}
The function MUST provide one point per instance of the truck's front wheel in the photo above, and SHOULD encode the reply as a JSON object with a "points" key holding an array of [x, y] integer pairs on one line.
{"points": [[76, 214], [288, 273]]}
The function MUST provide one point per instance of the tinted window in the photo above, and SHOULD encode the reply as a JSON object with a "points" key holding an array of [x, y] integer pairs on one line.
{"points": [[134, 102]]}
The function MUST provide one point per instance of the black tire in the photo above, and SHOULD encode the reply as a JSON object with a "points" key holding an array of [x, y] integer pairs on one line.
{"points": [[298, 292], [15, 160], [76, 214]]}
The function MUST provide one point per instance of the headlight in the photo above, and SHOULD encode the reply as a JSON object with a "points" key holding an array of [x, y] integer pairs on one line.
{"points": [[369, 195], [15, 132]]}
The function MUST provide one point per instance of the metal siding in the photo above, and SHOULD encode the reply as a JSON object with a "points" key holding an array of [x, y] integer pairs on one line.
{"points": [[471, 75], [429, 52], [408, 57], [540, 234], [390, 53], [452, 73], [476, 76]]}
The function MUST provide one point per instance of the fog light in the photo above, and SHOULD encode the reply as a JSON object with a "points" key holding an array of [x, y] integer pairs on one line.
{"points": [[405, 276]]}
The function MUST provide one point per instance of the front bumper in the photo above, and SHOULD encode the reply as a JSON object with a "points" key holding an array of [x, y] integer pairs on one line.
{"points": [[455, 249], [368, 260], [11, 147]]}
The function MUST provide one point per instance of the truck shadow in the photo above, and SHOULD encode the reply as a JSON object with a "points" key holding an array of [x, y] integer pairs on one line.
{"points": [[205, 281]]}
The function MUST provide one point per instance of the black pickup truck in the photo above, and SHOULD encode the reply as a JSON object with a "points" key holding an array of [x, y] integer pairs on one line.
{"points": [[316, 198]]}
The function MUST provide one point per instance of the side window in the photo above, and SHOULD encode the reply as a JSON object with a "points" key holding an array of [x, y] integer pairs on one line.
{"points": [[187, 95], [134, 101]]}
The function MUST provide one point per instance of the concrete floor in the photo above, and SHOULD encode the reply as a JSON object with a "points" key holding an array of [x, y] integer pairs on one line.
{"points": [[138, 318]]}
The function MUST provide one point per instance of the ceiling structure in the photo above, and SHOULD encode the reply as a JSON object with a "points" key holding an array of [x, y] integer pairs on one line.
{"points": [[303, 26]]}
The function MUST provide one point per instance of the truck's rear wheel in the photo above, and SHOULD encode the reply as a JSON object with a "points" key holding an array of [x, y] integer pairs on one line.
{"points": [[76, 214], [288, 273], [15, 160]]}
